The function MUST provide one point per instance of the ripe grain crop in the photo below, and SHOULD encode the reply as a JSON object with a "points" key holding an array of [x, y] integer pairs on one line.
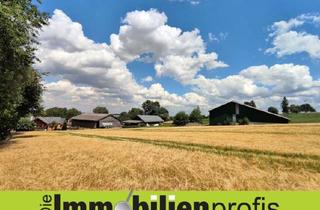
{"points": [[304, 138], [268, 157]]}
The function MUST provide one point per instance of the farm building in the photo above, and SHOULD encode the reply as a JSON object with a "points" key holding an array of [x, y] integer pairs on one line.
{"points": [[45, 122], [95, 121], [234, 111], [144, 120]]}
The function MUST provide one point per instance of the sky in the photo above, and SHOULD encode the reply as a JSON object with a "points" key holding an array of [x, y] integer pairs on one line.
{"points": [[182, 53]]}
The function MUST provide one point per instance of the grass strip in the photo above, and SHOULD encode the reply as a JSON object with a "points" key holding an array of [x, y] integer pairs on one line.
{"points": [[295, 160]]}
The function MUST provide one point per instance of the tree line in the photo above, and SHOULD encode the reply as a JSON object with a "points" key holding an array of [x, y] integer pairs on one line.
{"points": [[286, 107], [293, 108], [147, 108]]}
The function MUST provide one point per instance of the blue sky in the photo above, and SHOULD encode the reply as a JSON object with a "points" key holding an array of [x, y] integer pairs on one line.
{"points": [[237, 31]]}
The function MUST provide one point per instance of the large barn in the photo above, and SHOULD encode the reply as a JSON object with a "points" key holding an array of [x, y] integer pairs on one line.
{"points": [[95, 121], [234, 111]]}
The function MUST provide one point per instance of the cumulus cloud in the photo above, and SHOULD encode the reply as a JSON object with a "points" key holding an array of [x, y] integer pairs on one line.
{"points": [[156, 91], [285, 78], [262, 83], [229, 87], [147, 79], [184, 68], [146, 33], [88, 72], [81, 60], [287, 40], [77, 93]]}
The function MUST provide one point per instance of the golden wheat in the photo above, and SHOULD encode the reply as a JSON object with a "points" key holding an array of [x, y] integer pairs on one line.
{"points": [[189, 158], [280, 138]]}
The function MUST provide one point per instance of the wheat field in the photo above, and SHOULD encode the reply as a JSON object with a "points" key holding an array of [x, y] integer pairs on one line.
{"points": [[255, 157]]}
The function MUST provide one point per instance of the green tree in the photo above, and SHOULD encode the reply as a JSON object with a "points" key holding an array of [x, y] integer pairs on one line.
{"points": [[61, 112], [181, 119], [164, 113], [273, 110], [195, 115], [31, 94], [56, 112], [307, 108], [124, 116], [285, 105], [154, 108], [294, 108], [151, 107], [134, 112], [100, 110], [25, 124], [20, 22], [72, 112]]}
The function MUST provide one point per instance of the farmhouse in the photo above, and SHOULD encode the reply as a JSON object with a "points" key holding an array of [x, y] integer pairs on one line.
{"points": [[95, 121], [234, 111], [45, 122], [144, 120]]}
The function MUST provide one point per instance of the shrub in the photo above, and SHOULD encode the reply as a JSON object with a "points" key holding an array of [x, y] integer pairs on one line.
{"points": [[273, 110], [221, 120], [228, 121], [64, 126], [244, 121], [25, 124], [181, 119]]}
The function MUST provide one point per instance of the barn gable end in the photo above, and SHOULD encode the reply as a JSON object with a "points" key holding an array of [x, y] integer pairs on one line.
{"points": [[95, 121], [233, 111]]}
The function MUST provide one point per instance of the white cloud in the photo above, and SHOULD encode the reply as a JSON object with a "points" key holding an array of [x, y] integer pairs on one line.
{"points": [[185, 68], [285, 78], [147, 79], [212, 37], [91, 73], [220, 37], [145, 20], [156, 91], [261, 83], [229, 87], [146, 32], [65, 87], [286, 40], [90, 63]]}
